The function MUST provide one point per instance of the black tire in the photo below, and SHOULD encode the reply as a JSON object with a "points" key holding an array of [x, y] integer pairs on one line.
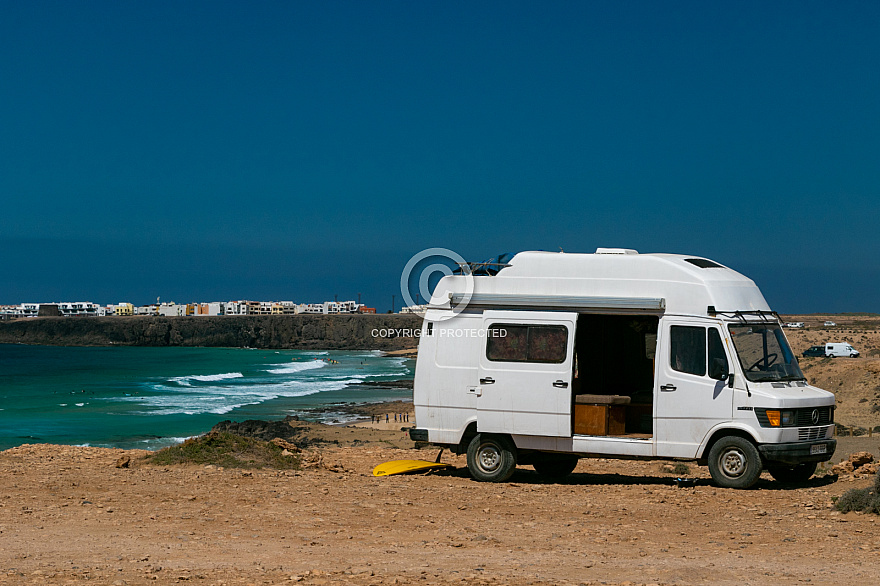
{"points": [[555, 465], [799, 473], [491, 458], [734, 462]]}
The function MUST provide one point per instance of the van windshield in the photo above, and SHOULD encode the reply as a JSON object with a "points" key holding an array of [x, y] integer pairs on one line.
{"points": [[764, 353]]}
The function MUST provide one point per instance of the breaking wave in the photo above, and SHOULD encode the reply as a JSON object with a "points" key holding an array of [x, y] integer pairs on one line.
{"points": [[186, 381]]}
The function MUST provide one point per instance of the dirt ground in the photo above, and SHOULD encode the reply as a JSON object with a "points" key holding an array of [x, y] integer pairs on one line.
{"points": [[69, 516]]}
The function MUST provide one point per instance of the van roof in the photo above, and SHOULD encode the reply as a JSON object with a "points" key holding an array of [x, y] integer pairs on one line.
{"points": [[688, 285]]}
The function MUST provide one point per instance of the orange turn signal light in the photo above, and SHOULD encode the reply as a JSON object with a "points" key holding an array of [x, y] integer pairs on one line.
{"points": [[775, 418]]}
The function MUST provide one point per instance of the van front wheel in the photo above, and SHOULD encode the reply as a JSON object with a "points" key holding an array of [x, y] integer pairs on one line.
{"points": [[491, 458], [734, 462]]}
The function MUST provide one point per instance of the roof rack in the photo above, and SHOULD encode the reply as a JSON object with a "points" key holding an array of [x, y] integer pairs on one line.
{"points": [[743, 315], [488, 268]]}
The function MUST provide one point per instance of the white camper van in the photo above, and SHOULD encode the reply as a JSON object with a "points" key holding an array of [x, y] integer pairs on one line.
{"points": [[615, 354], [837, 349]]}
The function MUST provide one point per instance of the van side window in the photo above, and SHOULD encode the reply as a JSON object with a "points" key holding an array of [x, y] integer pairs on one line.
{"points": [[526, 343], [688, 349], [716, 350]]}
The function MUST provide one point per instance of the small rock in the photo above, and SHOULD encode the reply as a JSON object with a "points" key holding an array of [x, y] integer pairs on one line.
{"points": [[123, 462], [283, 443], [868, 468], [860, 458], [845, 467]]}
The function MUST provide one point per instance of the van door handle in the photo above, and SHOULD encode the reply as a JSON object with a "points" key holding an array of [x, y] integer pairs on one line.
{"points": [[668, 388], [561, 384], [487, 381]]}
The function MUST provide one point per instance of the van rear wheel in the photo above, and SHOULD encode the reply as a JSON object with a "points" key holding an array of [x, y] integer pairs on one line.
{"points": [[491, 458], [734, 462]]}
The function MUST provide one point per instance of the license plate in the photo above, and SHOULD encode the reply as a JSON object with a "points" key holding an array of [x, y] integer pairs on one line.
{"points": [[818, 449]]}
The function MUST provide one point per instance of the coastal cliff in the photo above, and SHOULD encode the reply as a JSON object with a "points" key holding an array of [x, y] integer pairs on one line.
{"points": [[326, 332]]}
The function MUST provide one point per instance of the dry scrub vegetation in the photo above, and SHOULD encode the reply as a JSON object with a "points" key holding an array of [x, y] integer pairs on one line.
{"points": [[229, 451]]}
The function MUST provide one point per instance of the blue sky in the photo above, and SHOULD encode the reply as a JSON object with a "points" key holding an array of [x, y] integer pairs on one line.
{"points": [[301, 150]]}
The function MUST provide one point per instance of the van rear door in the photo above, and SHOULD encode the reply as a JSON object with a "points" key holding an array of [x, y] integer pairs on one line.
{"points": [[525, 373]]}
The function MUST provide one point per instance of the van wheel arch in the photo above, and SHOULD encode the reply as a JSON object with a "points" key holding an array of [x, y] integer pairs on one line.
{"points": [[721, 433], [469, 433]]}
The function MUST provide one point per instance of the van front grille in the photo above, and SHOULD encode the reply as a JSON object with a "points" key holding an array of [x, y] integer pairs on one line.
{"points": [[823, 416], [812, 433]]}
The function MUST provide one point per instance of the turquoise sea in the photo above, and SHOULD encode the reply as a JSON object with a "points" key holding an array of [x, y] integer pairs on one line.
{"points": [[153, 397]]}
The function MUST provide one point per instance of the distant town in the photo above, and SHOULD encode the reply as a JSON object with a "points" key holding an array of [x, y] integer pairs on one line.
{"points": [[89, 309]]}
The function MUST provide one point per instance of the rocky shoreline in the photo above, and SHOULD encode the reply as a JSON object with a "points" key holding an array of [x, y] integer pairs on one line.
{"points": [[388, 332]]}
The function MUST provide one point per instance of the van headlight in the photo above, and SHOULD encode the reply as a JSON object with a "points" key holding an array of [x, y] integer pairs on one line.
{"points": [[776, 418]]}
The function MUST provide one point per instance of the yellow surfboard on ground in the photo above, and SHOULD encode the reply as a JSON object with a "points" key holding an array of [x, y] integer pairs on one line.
{"points": [[404, 466]]}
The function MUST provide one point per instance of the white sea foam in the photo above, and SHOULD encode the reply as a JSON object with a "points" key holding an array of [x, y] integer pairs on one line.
{"points": [[359, 377], [162, 442], [153, 444], [219, 400], [294, 367], [80, 404], [369, 354], [221, 393], [186, 381], [404, 372]]}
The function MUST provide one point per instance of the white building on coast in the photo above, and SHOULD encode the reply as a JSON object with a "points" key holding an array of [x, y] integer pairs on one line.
{"points": [[330, 307]]}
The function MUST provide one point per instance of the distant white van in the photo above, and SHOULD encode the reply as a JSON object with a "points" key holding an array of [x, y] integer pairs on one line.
{"points": [[794, 324], [829, 324], [838, 349], [564, 356]]}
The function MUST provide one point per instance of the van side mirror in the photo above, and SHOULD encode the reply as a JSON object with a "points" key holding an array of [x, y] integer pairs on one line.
{"points": [[718, 369]]}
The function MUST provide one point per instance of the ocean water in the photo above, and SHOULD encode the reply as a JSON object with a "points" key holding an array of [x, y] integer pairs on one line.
{"points": [[153, 397]]}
